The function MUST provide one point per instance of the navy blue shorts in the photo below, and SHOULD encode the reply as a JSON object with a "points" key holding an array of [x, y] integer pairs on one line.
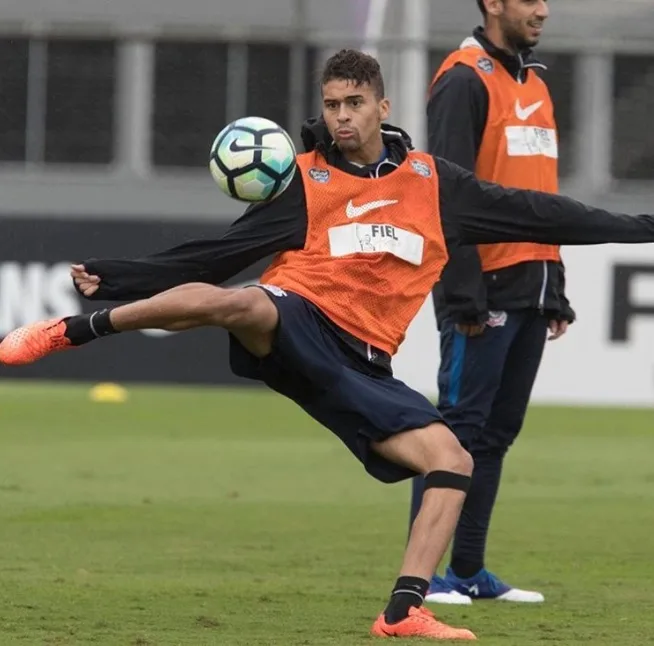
{"points": [[360, 404]]}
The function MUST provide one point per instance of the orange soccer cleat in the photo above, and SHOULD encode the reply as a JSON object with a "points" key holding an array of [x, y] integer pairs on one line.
{"points": [[30, 343], [420, 623]]}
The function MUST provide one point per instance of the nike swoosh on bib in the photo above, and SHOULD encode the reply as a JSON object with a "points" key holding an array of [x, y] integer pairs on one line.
{"points": [[524, 113], [357, 211]]}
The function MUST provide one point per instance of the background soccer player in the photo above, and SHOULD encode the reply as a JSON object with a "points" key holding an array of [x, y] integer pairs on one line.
{"points": [[491, 112]]}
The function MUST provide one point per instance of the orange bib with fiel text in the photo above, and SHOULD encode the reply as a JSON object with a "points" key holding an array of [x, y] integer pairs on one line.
{"points": [[519, 146], [374, 247]]}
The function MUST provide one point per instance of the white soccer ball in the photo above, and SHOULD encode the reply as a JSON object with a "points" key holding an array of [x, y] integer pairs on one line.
{"points": [[253, 159]]}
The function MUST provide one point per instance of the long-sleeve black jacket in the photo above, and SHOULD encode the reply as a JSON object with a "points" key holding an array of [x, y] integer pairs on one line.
{"points": [[456, 118], [472, 212]]}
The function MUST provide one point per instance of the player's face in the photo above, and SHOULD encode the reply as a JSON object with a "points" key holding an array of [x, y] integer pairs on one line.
{"points": [[353, 114], [521, 21]]}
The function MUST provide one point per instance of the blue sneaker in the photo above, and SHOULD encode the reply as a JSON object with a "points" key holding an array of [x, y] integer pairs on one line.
{"points": [[485, 585], [440, 591]]}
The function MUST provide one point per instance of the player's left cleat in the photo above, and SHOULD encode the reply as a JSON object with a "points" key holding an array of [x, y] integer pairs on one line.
{"points": [[30, 343], [420, 623], [485, 585], [440, 591]]}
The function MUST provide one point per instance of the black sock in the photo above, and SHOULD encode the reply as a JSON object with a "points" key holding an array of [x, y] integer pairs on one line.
{"points": [[466, 569], [469, 546], [86, 327], [409, 591]]}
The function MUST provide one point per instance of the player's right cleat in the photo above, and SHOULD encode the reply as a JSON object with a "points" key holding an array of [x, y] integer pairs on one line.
{"points": [[420, 623], [30, 343]]}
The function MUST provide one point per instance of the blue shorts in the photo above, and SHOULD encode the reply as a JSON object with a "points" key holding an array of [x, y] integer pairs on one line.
{"points": [[359, 403]]}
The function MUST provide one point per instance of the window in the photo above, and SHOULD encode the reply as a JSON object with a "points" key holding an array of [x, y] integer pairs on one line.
{"points": [[268, 87], [560, 79], [189, 101], [633, 103], [436, 58], [13, 98], [79, 117], [312, 105]]}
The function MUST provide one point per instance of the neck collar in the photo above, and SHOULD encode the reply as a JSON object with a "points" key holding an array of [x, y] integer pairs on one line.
{"points": [[516, 64]]}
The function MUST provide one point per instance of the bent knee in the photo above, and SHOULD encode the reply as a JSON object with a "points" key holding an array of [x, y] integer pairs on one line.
{"points": [[427, 449], [448, 455], [457, 460]]}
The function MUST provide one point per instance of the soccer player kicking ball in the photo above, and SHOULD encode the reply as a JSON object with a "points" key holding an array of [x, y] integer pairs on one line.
{"points": [[331, 311]]}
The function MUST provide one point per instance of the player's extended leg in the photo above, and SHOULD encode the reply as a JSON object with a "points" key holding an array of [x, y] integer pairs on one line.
{"points": [[435, 452], [248, 313], [467, 573]]}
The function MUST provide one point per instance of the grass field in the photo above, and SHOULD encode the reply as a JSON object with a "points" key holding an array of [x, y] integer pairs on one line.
{"points": [[202, 517]]}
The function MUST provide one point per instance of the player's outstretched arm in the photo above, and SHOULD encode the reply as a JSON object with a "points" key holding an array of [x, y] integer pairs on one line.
{"points": [[263, 230], [477, 212]]}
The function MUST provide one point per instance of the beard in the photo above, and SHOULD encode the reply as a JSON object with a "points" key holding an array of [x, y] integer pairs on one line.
{"points": [[348, 145], [518, 40]]}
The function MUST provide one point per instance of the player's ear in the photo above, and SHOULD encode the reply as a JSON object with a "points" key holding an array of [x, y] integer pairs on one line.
{"points": [[384, 109], [494, 7]]}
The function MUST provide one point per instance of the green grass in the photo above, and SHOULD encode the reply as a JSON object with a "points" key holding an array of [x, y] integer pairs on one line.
{"points": [[202, 517]]}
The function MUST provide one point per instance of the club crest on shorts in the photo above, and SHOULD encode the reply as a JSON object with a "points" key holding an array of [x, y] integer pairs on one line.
{"points": [[421, 168], [496, 319], [274, 290], [485, 64], [320, 175]]}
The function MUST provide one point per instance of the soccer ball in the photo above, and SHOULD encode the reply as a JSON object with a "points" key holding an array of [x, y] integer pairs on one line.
{"points": [[253, 159]]}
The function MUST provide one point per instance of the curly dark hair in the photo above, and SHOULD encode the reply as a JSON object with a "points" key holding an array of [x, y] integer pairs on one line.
{"points": [[353, 65], [482, 7]]}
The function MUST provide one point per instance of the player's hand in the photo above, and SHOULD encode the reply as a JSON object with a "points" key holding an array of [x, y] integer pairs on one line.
{"points": [[470, 329], [557, 329], [86, 283]]}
